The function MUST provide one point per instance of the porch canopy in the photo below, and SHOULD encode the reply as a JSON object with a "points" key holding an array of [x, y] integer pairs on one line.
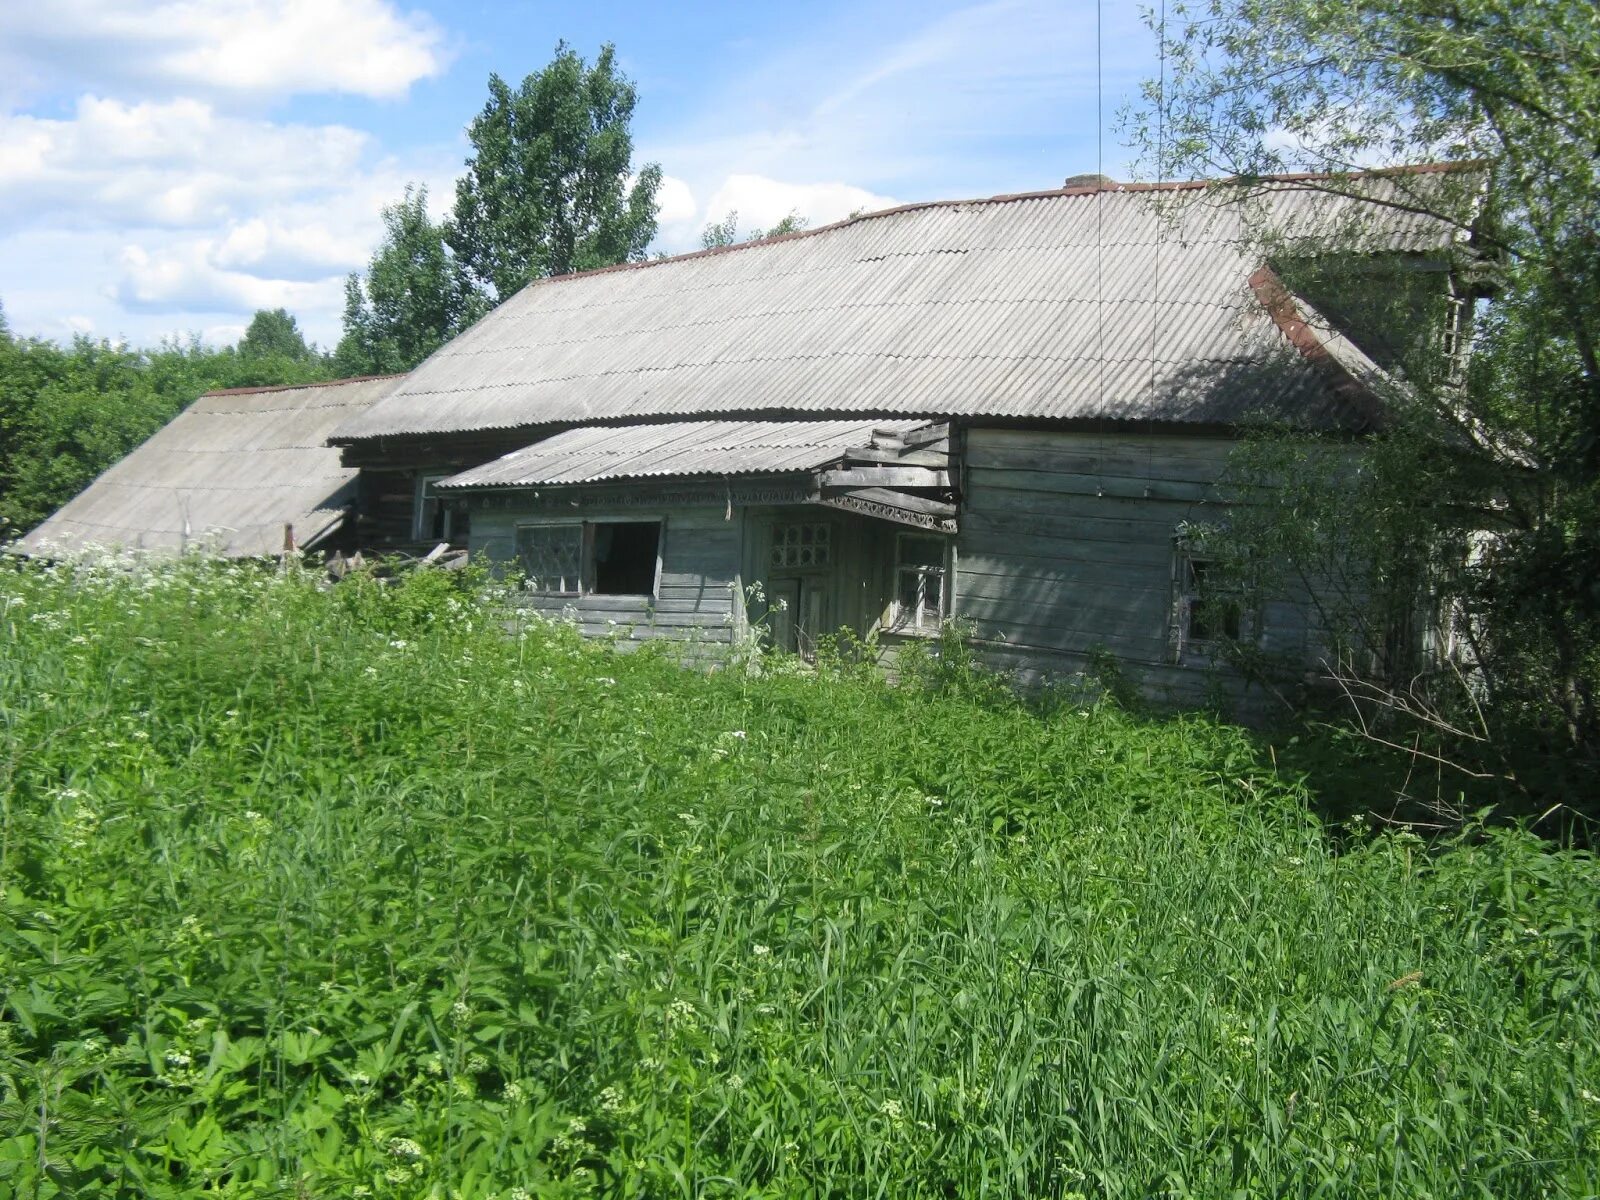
{"points": [[897, 470]]}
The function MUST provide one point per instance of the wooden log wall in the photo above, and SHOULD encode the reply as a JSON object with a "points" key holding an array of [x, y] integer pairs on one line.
{"points": [[695, 597], [1067, 545]]}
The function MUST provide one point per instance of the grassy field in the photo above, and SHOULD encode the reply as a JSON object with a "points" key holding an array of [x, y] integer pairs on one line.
{"points": [[348, 893]]}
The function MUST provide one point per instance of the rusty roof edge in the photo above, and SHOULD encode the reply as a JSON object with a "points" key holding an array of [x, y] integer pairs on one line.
{"points": [[1190, 185], [1289, 313]]}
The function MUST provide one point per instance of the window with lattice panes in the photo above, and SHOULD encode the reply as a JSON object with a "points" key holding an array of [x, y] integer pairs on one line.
{"points": [[800, 544], [921, 582], [551, 557]]}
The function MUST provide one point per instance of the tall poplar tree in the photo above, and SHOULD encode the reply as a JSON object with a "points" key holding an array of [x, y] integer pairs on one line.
{"points": [[550, 186], [415, 296]]}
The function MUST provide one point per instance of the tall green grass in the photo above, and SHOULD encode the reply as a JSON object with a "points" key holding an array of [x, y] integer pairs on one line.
{"points": [[348, 892]]}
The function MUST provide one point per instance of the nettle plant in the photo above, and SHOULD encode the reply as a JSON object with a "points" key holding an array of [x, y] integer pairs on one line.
{"points": [[377, 892]]}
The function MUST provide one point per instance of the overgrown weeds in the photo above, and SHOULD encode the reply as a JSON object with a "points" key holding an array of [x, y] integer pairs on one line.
{"points": [[346, 892]]}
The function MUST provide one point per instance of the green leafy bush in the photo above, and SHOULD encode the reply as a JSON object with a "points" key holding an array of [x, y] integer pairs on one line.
{"points": [[347, 891]]}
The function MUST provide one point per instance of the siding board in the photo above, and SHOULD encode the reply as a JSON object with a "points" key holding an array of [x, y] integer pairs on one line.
{"points": [[694, 598], [1067, 544]]}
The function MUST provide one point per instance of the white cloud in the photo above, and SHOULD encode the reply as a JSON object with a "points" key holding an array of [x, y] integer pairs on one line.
{"points": [[254, 48], [205, 216], [675, 201], [176, 163], [281, 248], [186, 278], [762, 202]]}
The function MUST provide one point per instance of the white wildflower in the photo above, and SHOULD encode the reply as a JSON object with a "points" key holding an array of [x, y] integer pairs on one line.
{"points": [[681, 1012]]}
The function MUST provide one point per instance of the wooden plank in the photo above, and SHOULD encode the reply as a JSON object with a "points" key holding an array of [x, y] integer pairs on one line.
{"points": [[1031, 553], [906, 458], [1099, 486], [996, 579], [928, 435], [898, 513], [1195, 459], [889, 477], [993, 501]]}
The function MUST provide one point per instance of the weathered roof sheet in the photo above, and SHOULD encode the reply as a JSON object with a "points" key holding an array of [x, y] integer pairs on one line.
{"points": [[680, 448], [1131, 303], [226, 473]]}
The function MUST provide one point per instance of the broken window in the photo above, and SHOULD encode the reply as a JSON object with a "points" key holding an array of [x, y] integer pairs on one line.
{"points": [[435, 517], [920, 582], [623, 554], [605, 558], [1210, 606]]}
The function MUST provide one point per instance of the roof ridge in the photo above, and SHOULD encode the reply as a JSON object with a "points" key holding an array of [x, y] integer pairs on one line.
{"points": [[1181, 185], [296, 387]]}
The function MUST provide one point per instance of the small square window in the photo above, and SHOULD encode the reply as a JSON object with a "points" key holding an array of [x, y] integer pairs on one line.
{"points": [[920, 582], [798, 544]]}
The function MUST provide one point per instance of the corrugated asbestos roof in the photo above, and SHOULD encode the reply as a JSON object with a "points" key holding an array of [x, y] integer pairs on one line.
{"points": [[1115, 304], [227, 473], [679, 448]]}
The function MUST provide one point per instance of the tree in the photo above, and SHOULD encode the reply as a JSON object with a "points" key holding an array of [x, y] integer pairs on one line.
{"points": [[1503, 457], [415, 297], [68, 413], [726, 231], [547, 189], [274, 334]]}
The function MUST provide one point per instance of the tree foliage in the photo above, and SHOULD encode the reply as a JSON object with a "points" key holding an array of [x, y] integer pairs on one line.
{"points": [[549, 188], [68, 413], [726, 231], [415, 296], [1499, 461], [274, 333]]}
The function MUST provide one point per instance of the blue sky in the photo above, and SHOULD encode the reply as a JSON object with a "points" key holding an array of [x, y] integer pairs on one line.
{"points": [[169, 166]]}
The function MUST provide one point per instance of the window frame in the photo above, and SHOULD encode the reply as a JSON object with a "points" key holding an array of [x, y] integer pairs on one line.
{"points": [[421, 498], [586, 554], [1188, 596], [899, 620]]}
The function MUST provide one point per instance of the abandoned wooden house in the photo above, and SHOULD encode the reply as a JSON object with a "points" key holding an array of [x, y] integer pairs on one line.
{"points": [[1002, 411]]}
